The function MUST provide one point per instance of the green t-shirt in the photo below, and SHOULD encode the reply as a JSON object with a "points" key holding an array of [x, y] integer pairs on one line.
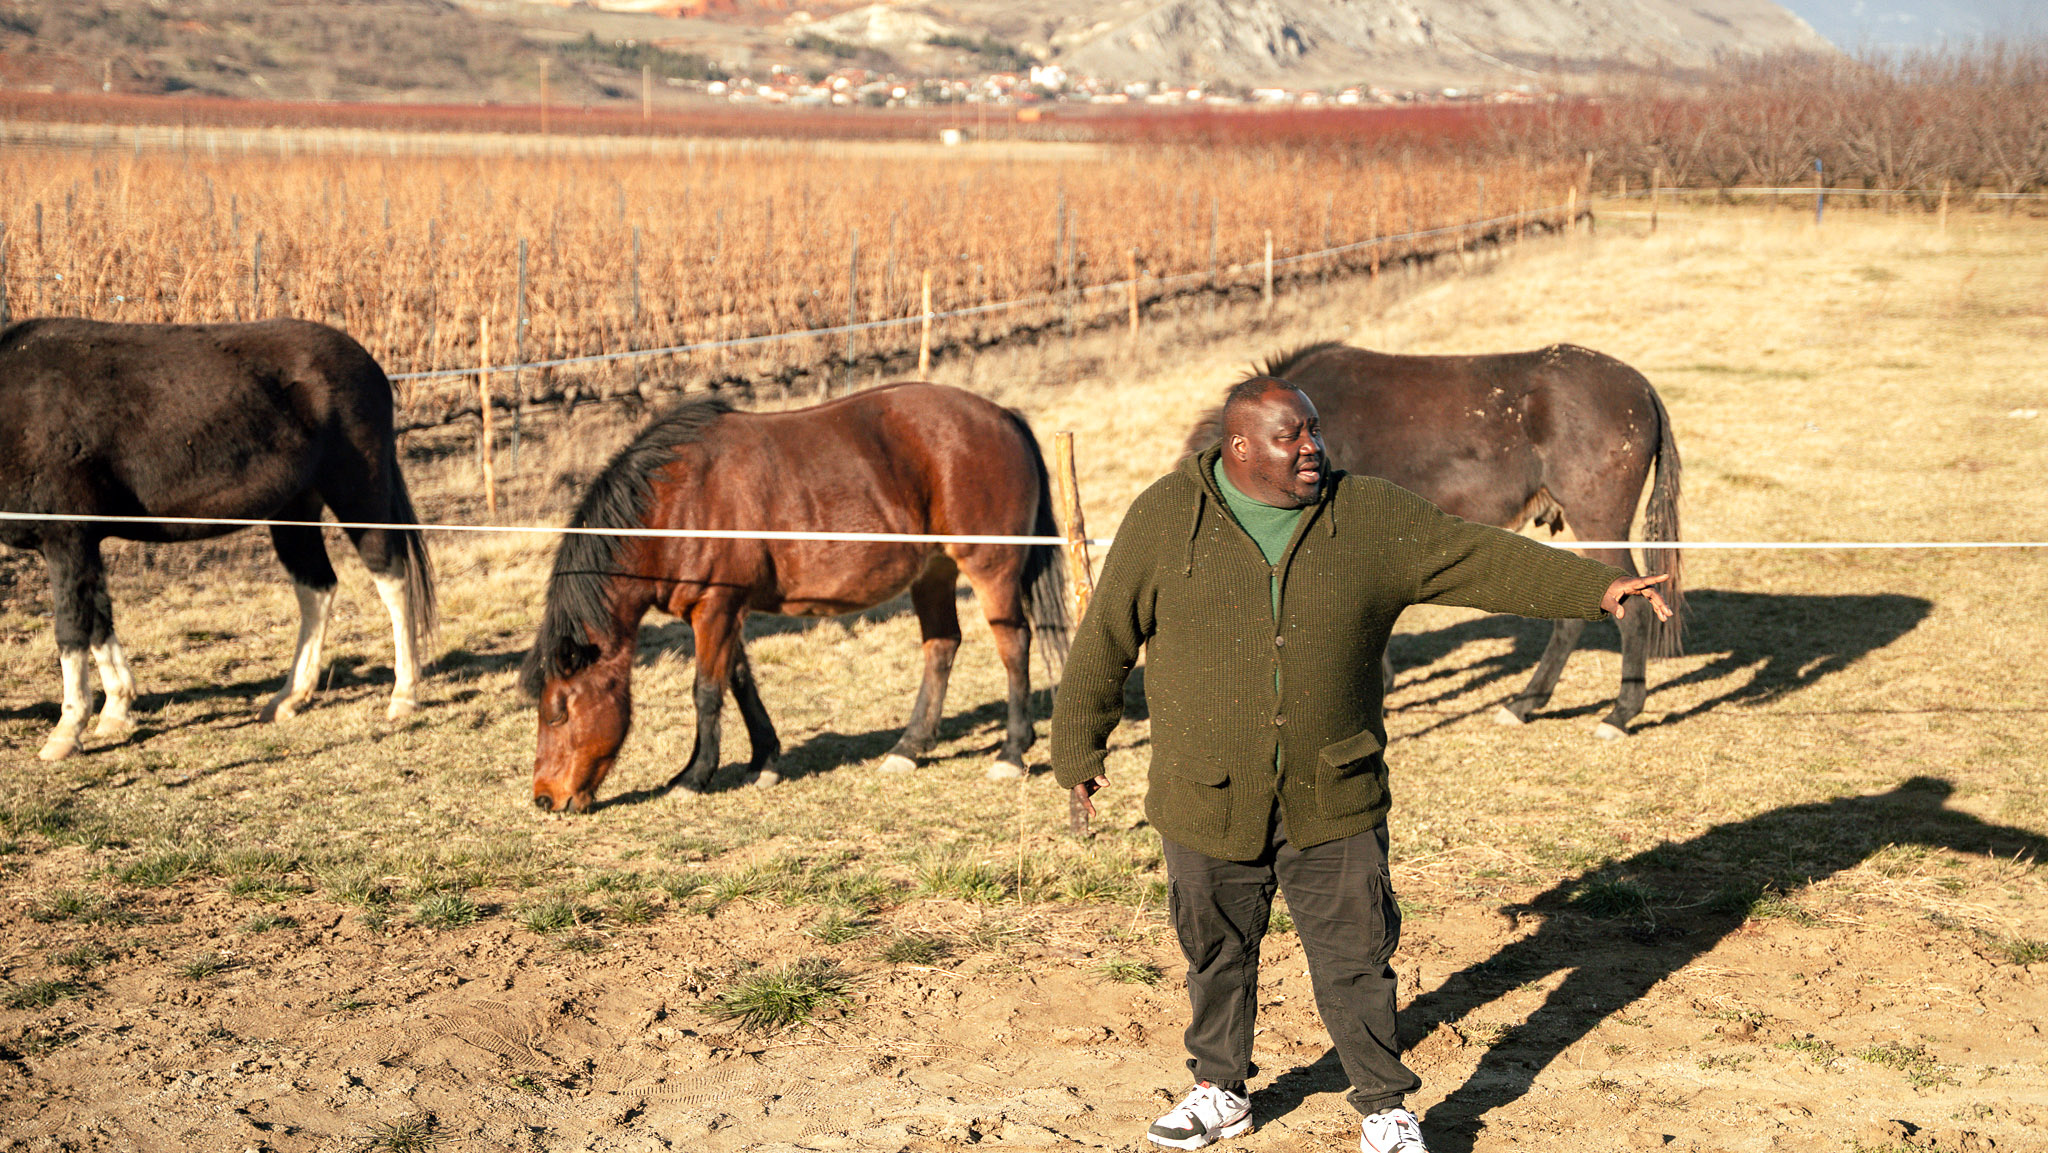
{"points": [[1270, 527]]}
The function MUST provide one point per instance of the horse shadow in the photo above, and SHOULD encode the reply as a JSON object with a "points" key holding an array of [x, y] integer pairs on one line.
{"points": [[829, 751], [1783, 642], [1618, 929]]}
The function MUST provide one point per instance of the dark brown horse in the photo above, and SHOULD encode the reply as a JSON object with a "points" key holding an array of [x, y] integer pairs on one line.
{"points": [[1561, 437], [917, 459], [272, 420]]}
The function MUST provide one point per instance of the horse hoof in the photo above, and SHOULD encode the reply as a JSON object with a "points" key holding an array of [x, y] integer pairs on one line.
{"points": [[114, 728], [898, 763], [1006, 771], [1506, 716], [1608, 732], [400, 709], [765, 779], [281, 709], [57, 748]]}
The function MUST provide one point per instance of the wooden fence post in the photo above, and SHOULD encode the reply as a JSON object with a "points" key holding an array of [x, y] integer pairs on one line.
{"points": [[483, 392], [1268, 292], [1656, 182], [924, 342], [1131, 289], [1066, 508]]}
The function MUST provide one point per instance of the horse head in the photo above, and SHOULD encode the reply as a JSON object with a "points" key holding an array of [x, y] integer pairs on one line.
{"points": [[584, 716]]}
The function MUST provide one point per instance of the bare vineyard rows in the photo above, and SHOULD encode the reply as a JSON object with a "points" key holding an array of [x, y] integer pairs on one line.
{"points": [[418, 257]]}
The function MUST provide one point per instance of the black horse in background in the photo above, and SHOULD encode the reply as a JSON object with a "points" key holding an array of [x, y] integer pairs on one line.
{"points": [[250, 421], [1559, 437]]}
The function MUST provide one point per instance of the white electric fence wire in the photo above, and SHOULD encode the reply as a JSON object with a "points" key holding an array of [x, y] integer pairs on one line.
{"points": [[935, 538]]}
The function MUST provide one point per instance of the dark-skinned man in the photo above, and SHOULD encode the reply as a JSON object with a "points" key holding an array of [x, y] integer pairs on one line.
{"points": [[1262, 589]]}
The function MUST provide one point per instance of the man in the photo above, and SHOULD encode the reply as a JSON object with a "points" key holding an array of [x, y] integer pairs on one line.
{"points": [[1263, 590]]}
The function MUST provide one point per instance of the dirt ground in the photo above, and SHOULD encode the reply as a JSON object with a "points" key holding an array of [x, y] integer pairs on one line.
{"points": [[1799, 910]]}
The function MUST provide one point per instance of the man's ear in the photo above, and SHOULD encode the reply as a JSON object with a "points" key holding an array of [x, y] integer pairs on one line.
{"points": [[1235, 443]]}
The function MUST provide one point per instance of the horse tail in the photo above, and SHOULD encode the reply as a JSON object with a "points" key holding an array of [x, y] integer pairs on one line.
{"points": [[1045, 571], [422, 604], [1660, 523]]}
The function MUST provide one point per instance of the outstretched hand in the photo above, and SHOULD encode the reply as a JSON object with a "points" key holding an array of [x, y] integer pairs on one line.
{"points": [[1086, 789], [1626, 587]]}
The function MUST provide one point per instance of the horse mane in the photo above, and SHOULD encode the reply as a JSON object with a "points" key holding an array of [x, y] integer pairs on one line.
{"points": [[1209, 426], [579, 589]]}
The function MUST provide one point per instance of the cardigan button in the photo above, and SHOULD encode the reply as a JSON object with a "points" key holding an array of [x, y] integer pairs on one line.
{"points": [[1281, 719], [1279, 642]]}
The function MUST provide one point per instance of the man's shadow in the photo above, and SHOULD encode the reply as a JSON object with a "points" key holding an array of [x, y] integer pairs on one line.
{"points": [[1622, 927]]}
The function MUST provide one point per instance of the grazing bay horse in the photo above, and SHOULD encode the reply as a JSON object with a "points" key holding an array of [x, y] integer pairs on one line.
{"points": [[270, 420], [1562, 436], [903, 459]]}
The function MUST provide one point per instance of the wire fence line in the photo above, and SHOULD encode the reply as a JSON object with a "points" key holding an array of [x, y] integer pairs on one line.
{"points": [[924, 538], [1037, 300]]}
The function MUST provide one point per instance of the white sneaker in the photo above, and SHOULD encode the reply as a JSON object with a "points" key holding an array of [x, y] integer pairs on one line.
{"points": [[1391, 1131], [1206, 1115]]}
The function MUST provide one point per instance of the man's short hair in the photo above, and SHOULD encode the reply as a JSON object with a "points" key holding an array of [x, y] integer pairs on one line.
{"points": [[1248, 391]]}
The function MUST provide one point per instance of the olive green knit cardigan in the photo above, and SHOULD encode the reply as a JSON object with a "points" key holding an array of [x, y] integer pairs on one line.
{"points": [[1189, 586]]}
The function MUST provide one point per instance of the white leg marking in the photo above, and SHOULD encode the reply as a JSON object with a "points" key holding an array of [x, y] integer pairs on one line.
{"points": [[1607, 732], [77, 702], [314, 605], [1003, 770], [1501, 716], [405, 665], [898, 763], [119, 682]]}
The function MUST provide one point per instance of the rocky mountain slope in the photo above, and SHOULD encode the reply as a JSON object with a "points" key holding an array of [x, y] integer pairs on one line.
{"points": [[490, 49]]}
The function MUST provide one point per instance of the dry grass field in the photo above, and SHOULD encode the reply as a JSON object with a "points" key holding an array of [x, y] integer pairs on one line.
{"points": [[1801, 908]]}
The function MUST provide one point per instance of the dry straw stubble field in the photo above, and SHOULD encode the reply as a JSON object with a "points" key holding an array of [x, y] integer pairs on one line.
{"points": [[1799, 909]]}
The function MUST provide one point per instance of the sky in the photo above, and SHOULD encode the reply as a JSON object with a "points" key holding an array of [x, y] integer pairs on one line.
{"points": [[1891, 24]]}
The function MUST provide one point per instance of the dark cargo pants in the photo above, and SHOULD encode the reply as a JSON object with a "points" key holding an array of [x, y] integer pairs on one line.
{"points": [[1342, 902]]}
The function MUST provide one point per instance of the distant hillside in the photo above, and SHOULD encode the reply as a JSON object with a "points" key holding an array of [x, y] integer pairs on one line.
{"points": [[1404, 43], [492, 50]]}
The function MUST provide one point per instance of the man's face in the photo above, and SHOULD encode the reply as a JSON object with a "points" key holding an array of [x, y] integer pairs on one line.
{"points": [[1274, 450]]}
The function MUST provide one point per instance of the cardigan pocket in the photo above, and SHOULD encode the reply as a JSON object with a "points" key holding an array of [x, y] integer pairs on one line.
{"points": [[1348, 777], [1197, 792]]}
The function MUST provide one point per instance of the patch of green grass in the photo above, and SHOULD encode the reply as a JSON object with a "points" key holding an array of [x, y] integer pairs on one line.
{"points": [[1754, 902], [63, 821], [1128, 970], [166, 868], [1920, 1067], [1610, 899], [837, 927], [953, 874], [913, 949], [38, 994], [2019, 950], [1730, 1061], [269, 922], [579, 943], [632, 909], [205, 965], [1278, 920], [614, 882], [353, 884], [525, 1083], [783, 998], [446, 911], [415, 1134], [1822, 1053], [84, 958], [82, 908], [545, 918]]}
